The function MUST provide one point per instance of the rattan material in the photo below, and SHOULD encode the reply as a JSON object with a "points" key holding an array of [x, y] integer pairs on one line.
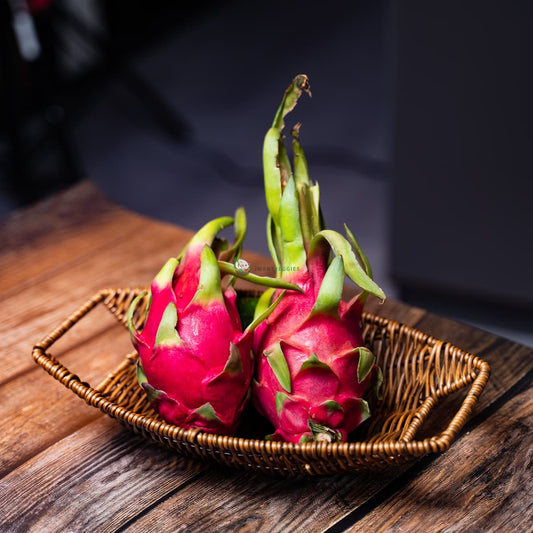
{"points": [[419, 372]]}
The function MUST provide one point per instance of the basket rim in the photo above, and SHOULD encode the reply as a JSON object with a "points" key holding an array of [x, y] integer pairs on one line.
{"points": [[306, 451]]}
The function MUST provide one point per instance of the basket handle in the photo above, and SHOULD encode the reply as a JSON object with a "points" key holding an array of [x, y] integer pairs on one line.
{"points": [[60, 372]]}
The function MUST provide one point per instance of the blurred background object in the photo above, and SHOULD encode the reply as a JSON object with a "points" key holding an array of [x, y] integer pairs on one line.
{"points": [[37, 149], [417, 130], [462, 217], [56, 59]]}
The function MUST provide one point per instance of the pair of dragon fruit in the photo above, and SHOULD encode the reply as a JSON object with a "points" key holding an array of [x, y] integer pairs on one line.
{"points": [[301, 357]]}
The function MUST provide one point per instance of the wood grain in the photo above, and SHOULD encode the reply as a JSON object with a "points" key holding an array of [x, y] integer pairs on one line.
{"points": [[37, 410], [226, 501], [95, 479], [475, 488]]}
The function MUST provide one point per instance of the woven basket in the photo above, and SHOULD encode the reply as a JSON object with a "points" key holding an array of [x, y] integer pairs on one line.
{"points": [[420, 373]]}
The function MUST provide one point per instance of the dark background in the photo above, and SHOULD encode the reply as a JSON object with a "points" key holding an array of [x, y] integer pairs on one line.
{"points": [[419, 128]]}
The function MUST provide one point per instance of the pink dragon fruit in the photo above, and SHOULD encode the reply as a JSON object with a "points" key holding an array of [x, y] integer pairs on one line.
{"points": [[195, 361], [313, 369]]}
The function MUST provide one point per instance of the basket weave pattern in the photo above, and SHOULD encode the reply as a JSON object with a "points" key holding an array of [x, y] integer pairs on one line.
{"points": [[419, 371]]}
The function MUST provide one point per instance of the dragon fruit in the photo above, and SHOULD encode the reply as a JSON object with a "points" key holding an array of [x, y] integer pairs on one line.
{"points": [[195, 362], [313, 369]]}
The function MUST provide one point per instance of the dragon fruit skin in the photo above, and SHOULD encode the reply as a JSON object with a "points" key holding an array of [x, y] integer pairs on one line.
{"points": [[195, 362], [312, 367], [319, 395]]}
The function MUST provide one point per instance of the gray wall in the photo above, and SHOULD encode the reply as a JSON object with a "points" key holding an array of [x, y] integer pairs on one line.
{"points": [[462, 160]]}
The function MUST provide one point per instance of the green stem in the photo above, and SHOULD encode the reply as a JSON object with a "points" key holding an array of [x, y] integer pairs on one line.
{"points": [[264, 281], [305, 196], [264, 314], [284, 163], [273, 242]]}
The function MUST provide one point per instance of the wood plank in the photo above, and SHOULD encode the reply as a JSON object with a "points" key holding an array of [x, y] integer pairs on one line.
{"points": [[483, 483], [229, 501], [45, 278], [144, 493], [34, 311], [75, 226], [44, 237], [96, 479], [102, 478], [48, 435], [37, 410]]}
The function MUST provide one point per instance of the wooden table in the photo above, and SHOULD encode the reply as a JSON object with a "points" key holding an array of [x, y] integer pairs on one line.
{"points": [[64, 466]]}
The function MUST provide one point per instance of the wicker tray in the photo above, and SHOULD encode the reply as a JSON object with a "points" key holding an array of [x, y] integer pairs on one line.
{"points": [[419, 371]]}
